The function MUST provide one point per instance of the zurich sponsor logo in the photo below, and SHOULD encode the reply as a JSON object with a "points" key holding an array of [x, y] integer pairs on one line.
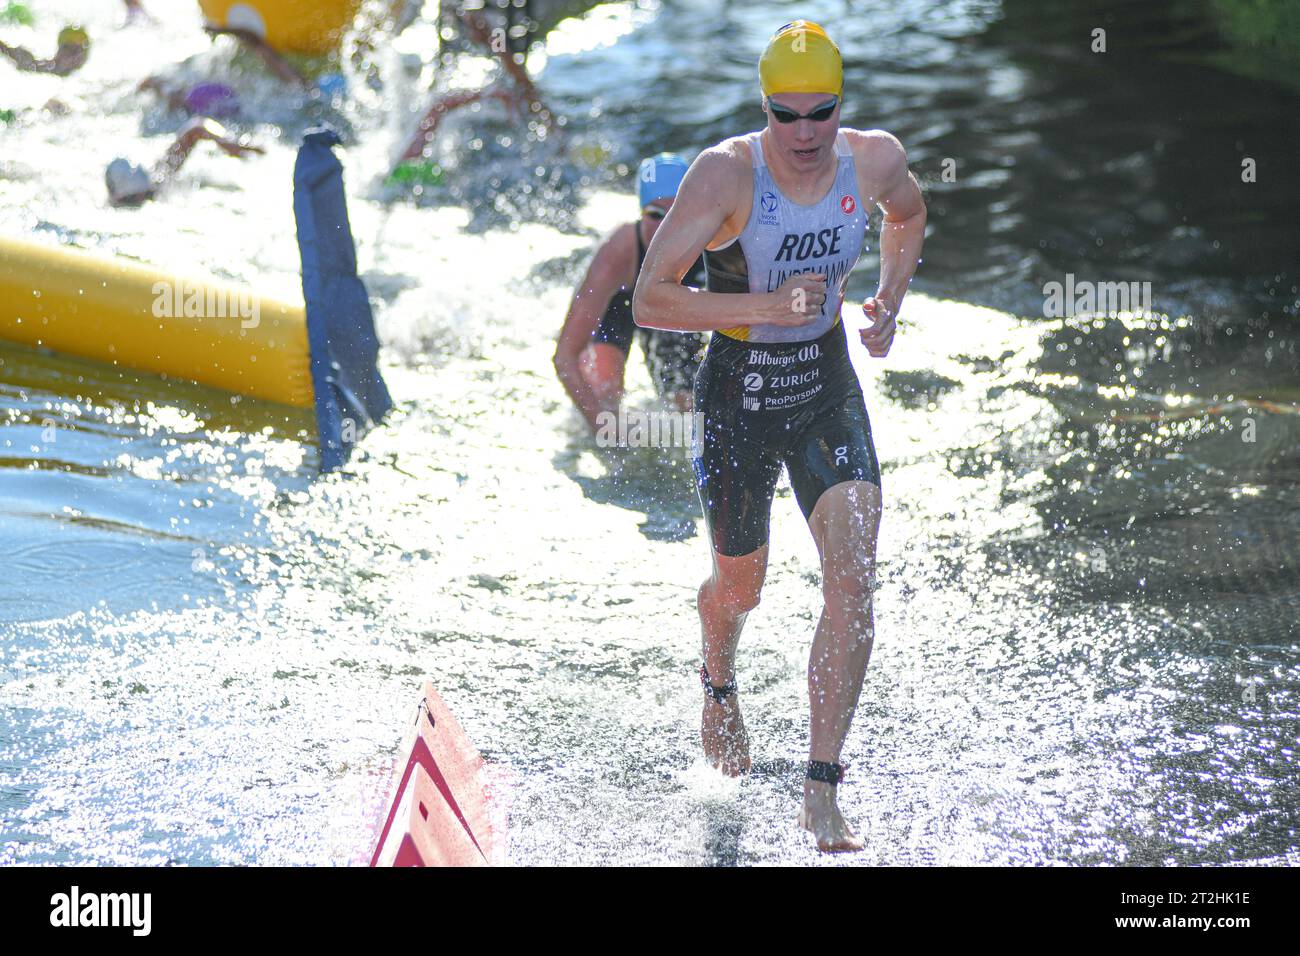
{"points": [[788, 381], [753, 382]]}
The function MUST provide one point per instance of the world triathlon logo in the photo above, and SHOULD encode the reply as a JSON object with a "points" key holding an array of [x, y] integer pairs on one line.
{"points": [[768, 201]]}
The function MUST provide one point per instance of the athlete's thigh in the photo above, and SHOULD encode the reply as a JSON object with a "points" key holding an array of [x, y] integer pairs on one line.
{"points": [[736, 485], [834, 447], [845, 525], [735, 472]]}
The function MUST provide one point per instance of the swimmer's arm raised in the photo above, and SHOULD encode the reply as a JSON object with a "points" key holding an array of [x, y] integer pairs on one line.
{"points": [[191, 134], [709, 196]]}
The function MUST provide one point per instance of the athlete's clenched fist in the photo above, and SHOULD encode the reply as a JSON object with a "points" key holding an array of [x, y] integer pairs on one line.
{"points": [[880, 336], [799, 299]]}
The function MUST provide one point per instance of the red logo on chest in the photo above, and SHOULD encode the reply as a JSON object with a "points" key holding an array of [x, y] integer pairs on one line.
{"points": [[848, 205]]}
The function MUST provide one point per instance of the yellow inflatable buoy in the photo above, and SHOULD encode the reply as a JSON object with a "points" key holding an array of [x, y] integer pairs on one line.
{"points": [[139, 317], [319, 352], [313, 27]]}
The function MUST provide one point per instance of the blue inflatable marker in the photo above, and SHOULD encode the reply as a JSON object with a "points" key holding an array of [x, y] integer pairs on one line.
{"points": [[350, 393]]}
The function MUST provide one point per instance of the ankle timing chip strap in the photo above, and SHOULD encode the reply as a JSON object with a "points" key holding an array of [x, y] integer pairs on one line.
{"points": [[822, 772], [717, 693]]}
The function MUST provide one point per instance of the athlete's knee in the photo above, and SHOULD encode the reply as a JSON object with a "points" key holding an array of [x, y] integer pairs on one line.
{"points": [[733, 594], [729, 598], [850, 593], [849, 582], [846, 523], [857, 503]]}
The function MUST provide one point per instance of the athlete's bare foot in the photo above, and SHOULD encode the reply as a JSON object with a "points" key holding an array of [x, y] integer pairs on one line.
{"points": [[821, 816], [722, 731]]}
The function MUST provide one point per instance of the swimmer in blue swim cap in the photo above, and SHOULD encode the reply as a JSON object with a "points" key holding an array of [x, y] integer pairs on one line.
{"points": [[592, 349]]}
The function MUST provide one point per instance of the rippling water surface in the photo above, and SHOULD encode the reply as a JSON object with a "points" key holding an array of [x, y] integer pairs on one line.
{"points": [[1087, 644]]}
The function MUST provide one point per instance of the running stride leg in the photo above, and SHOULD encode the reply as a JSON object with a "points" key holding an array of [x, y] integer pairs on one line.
{"points": [[724, 601], [844, 523]]}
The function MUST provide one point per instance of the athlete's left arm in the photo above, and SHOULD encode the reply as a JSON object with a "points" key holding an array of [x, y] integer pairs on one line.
{"points": [[892, 187]]}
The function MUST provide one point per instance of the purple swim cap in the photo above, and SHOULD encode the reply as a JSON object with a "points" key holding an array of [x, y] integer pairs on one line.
{"points": [[215, 100]]}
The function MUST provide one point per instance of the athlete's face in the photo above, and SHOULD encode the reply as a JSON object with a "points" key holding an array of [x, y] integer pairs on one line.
{"points": [[805, 143], [653, 215]]}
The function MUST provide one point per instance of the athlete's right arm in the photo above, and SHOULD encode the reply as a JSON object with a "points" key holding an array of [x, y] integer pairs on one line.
{"points": [[608, 274], [712, 196]]}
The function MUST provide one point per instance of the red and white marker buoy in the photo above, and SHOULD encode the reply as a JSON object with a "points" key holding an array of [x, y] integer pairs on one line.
{"points": [[439, 811]]}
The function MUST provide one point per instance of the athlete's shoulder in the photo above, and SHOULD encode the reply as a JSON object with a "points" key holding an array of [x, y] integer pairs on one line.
{"points": [[880, 158], [616, 255], [733, 148], [619, 240], [875, 144], [724, 158], [720, 172]]}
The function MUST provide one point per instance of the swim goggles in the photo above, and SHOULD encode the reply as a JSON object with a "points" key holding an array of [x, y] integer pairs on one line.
{"points": [[821, 114]]}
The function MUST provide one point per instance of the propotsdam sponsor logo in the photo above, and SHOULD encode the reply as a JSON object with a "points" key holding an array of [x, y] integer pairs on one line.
{"points": [[791, 399], [75, 909]]}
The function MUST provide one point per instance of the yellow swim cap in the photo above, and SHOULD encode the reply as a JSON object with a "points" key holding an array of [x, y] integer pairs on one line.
{"points": [[74, 36], [801, 58]]}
